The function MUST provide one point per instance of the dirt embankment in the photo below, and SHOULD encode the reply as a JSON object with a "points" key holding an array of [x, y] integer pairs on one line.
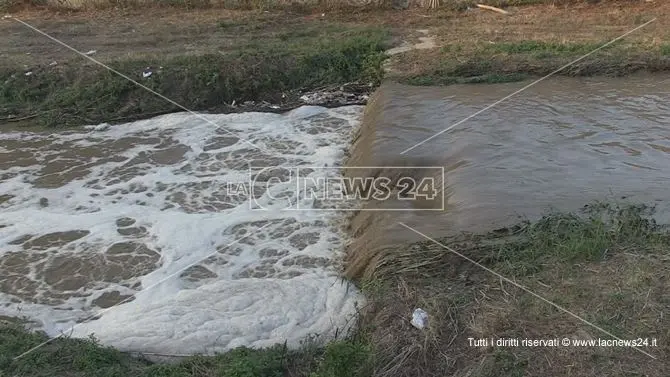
{"points": [[231, 60]]}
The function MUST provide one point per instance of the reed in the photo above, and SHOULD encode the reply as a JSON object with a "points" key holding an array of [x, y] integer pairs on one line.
{"points": [[604, 263]]}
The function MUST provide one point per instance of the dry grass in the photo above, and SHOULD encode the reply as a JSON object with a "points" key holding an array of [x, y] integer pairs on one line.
{"points": [[539, 39], [274, 4], [611, 275]]}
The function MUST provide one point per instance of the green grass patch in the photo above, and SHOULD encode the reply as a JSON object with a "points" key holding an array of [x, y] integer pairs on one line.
{"points": [[438, 79], [593, 235], [543, 49], [514, 61], [87, 358], [63, 357]]}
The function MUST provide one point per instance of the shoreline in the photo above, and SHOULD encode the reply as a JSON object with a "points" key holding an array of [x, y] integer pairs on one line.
{"points": [[267, 61]]}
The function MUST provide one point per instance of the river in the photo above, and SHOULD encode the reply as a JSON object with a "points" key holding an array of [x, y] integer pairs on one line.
{"points": [[175, 215]]}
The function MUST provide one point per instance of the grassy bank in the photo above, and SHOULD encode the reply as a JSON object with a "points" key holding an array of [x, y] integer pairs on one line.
{"points": [[208, 60], [87, 358], [518, 60], [608, 264], [258, 67]]}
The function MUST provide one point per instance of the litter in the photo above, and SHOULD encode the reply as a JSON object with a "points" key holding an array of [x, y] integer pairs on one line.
{"points": [[147, 72], [101, 127], [419, 318], [91, 52], [28, 73]]}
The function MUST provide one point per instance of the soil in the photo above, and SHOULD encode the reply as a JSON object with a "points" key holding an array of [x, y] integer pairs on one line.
{"points": [[120, 33], [430, 47]]}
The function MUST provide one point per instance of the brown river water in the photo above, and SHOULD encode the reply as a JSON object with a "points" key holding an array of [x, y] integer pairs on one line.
{"points": [[92, 216], [558, 145]]}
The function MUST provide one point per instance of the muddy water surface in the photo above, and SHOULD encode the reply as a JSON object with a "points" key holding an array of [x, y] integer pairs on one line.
{"points": [[92, 217], [558, 145]]}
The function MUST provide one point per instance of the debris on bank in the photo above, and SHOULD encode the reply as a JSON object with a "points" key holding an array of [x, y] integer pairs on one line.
{"points": [[419, 318], [331, 96], [348, 94]]}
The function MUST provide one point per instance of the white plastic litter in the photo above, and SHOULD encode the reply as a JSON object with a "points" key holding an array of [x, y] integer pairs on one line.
{"points": [[147, 72], [101, 127], [419, 318], [91, 52]]}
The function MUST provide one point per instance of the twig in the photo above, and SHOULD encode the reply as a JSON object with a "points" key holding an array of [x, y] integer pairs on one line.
{"points": [[488, 7], [20, 119]]}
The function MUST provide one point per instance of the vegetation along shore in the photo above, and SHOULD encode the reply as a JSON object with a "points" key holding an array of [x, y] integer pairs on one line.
{"points": [[207, 57]]}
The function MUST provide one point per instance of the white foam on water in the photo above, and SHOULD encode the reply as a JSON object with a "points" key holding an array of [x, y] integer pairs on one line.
{"points": [[161, 209]]}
